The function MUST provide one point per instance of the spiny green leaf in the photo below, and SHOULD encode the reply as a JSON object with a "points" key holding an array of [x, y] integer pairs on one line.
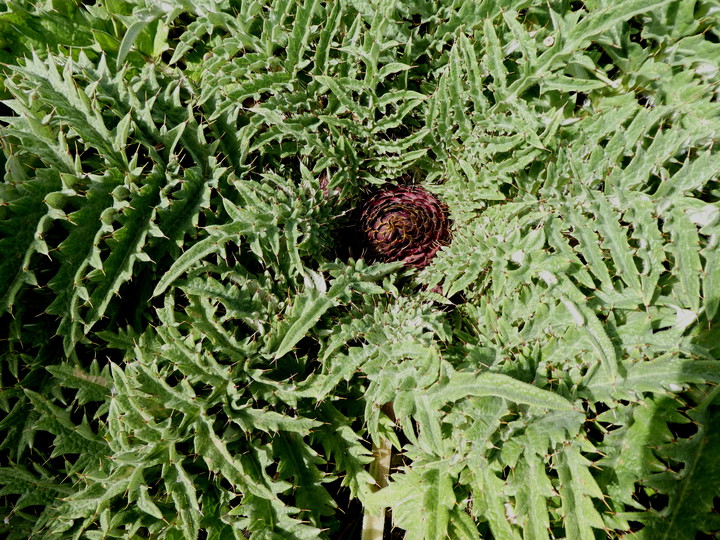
{"points": [[218, 458], [184, 495], [298, 40], [532, 502], [576, 487], [657, 375], [489, 489], [495, 384], [694, 487], [128, 243], [711, 283], [198, 251], [495, 57], [93, 386], [687, 259], [615, 239], [146, 504]]}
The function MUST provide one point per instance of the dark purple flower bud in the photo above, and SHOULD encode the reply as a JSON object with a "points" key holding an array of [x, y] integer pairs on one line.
{"points": [[404, 223]]}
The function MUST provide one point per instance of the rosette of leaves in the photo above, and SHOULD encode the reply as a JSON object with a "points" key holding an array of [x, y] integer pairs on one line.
{"points": [[403, 223]]}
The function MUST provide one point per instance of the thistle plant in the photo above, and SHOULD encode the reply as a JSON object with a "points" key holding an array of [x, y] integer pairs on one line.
{"points": [[404, 223], [183, 356]]}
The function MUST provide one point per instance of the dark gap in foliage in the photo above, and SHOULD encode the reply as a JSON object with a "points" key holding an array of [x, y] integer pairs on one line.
{"points": [[683, 430], [73, 204], [220, 310], [202, 220], [712, 35], [42, 447], [30, 315], [350, 516], [241, 255], [291, 366], [625, 161], [512, 265], [669, 263], [287, 497], [608, 427], [203, 391], [645, 100], [111, 118], [605, 59], [305, 75], [219, 411], [581, 100], [242, 330], [635, 30], [225, 484], [88, 156], [711, 193], [653, 183], [180, 26], [532, 93], [5, 111], [649, 498], [45, 267], [419, 70], [243, 119], [186, 448], [508, 190], [309, 352], [166, 56], [593, 431], [390, 532], [174, 377], [141, 152], [135, 298], [346, 240], [307, 348], [77, 413], [255, 100], [185, 160]]}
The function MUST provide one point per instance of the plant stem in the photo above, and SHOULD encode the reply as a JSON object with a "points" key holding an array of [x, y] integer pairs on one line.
{"points": [[374, 524]]}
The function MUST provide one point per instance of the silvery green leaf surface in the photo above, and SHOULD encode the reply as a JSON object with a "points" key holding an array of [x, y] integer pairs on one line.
{"points": [[195, 344]]}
